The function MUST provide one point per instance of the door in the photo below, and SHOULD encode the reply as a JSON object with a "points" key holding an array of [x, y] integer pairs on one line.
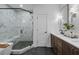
{"points": [[42, 36]]}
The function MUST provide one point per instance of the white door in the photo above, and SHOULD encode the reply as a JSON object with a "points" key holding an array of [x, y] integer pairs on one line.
{"points": [[42, 38]]}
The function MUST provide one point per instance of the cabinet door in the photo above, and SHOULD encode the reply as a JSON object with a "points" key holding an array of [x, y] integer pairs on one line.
{"points": [[53, 43], [58, 45], [52, 40], [75, 51], [67, 49]]}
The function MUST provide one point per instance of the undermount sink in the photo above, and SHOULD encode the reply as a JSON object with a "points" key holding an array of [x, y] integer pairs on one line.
{"points": [[75, 40], [73, 37]]}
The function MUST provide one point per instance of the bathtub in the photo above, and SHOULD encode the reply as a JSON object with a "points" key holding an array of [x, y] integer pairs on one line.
{"points": [[18, 51], [7, 40], [12, 41], [7, 50]]}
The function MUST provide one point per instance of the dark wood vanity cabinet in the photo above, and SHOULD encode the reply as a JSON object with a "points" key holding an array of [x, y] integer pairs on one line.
{"points": [[61, 47], [67, 48], [57, 47]]}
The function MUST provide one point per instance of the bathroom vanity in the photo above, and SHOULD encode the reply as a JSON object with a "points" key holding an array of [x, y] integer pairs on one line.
{"points": [[63, 45]]}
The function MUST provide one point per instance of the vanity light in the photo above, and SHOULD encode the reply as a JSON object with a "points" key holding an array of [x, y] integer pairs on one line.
{"points": [[59, 17], [59, 21]]}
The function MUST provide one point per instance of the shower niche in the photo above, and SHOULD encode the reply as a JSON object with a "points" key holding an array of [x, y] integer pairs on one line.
{"points": [[16, 26]]}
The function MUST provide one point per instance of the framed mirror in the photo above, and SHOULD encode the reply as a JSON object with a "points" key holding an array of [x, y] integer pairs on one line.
{"points": [[74, 17], [69, 24], [64, 11]]}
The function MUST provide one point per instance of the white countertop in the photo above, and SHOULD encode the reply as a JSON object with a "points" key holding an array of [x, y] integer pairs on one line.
{"points": [[72, 41]]}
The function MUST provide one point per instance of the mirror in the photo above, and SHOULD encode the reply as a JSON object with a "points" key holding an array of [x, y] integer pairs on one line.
{"points": [[69, 25], [74, 17], [64, 11]]}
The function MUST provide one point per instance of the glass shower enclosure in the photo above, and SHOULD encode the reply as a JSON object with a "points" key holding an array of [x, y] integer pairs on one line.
{"points": [[16, 26]]}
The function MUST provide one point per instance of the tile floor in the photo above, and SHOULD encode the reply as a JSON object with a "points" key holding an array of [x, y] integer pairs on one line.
{"points": [[39, 51]]}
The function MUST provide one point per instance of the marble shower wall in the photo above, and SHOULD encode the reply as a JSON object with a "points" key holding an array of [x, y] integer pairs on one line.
{"points": [[14, 20]]}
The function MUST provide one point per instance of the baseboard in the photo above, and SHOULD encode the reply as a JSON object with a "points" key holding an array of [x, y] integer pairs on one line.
{"points": [[43, 46]]}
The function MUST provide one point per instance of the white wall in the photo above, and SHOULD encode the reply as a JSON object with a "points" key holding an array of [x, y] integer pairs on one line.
{"points": [[3, 6]]}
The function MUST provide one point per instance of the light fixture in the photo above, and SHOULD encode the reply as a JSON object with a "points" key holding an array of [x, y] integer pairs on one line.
{"points": [[59, 21], [73, 12], [21, 5], [59, 17], [74, 8], [23, 21]]}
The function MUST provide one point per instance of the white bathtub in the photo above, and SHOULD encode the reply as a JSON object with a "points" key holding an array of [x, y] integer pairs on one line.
{"points": [[20, 51], [7, 50]]}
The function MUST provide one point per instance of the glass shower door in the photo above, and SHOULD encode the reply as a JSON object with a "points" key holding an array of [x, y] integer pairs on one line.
{"points": [[16, 22]]}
